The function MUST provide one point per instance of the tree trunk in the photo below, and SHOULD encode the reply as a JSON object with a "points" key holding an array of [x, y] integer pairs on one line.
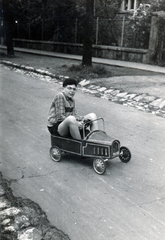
{"points": [[8, 22], [88, 33]]}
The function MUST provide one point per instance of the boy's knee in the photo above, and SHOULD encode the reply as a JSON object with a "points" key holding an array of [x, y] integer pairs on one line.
{"points": [[93, 116], [71, 120]]}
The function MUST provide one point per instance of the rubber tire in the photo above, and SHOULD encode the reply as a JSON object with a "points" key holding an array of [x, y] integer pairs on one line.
{"points": [[99, 166], [125, 154], [55, 154]]}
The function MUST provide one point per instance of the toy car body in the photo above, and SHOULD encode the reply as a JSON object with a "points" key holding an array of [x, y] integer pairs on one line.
{"points": [[96, 144]]}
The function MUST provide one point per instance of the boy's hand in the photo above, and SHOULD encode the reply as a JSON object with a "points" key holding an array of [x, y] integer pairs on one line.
{"points": [[85, 120], [80, 124]]}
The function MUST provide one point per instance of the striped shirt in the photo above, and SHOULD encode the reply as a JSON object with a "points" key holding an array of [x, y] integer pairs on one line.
{"points": [[61, 107]]}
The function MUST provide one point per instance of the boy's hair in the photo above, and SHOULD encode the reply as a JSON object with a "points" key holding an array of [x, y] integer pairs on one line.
{"points": [[70, 81]]}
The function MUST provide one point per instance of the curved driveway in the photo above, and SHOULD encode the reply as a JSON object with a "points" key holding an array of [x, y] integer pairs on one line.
{"points": [[126, 203]]}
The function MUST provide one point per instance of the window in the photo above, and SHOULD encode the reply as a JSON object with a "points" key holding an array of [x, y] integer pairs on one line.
{"points": [[132, 4], [129, 5]]}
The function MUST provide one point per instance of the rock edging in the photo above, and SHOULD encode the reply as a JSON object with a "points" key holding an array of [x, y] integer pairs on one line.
{"points": [[22, 219], [140, 101]]}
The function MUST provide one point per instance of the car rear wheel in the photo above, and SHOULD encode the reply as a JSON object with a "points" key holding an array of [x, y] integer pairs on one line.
{"points": [[125, 154], [55, 153], [99, 165]]}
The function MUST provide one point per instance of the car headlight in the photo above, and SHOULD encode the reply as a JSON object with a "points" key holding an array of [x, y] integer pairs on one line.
{"points": [[116, 146]]}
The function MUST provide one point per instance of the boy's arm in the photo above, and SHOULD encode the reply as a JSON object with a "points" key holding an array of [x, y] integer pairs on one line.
{"points": [[60, 108]]}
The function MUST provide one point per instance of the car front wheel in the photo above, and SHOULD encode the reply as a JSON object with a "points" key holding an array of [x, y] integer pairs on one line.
{"points": [[125, 154], [99, 165]]}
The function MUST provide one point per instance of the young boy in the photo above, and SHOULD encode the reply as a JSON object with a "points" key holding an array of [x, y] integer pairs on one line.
{"points": [[62, 118]]}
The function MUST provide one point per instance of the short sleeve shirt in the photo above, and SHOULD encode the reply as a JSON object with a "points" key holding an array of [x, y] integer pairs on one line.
{"points": [[61, 107]]}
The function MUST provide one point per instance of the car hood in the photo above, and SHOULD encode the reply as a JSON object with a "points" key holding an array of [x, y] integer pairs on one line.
{"points": [[100, 137]]}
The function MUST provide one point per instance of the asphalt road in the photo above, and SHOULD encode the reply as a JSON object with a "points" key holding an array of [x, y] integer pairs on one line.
{"points": [[126, 203]]}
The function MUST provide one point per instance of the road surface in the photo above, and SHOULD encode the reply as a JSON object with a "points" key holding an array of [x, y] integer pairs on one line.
{"points": [[126, 203]]}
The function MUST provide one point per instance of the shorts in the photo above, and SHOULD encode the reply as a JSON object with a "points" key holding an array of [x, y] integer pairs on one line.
{"points": [[54, 128]]}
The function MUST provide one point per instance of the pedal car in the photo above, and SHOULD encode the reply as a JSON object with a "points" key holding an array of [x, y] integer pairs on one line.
{"points": [[94, 144]]}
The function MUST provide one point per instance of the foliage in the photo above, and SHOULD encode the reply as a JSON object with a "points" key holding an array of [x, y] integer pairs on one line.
{"points": [[55, 20], [29, 19], [62, 21], [45, 19], [94, 71], [157, 5], [140, 24], [107, 8]]}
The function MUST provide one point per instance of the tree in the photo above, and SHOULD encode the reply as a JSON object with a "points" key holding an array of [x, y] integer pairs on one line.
{"points": [[8, 22], [88, 34]]}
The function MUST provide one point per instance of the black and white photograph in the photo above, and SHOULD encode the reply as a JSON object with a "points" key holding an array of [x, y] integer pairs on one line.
{"points": [[82, 120]]}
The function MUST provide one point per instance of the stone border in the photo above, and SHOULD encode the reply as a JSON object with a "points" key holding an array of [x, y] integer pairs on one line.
{"points": [[22, 219], [140, 101]]}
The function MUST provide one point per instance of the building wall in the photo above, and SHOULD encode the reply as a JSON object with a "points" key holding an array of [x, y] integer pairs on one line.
{"points": [[108, 52]]}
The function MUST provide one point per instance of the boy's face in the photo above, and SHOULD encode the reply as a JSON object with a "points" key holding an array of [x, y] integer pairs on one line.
{"points": [[70, 90]]}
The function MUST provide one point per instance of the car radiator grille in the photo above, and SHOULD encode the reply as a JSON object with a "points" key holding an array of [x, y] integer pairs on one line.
{"points": [[100, 151]]}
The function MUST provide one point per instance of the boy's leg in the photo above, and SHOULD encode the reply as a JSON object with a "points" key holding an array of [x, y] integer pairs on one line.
{"points": [[69, 125]]}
